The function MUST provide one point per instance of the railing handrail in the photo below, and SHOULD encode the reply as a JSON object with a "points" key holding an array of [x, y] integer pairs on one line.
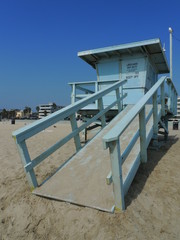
{"points": [[92, 82], [112, 141], [118, 129], [36, 127]]}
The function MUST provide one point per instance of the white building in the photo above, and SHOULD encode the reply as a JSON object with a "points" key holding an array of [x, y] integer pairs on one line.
{"points": [[178, 107], [46, 109]]}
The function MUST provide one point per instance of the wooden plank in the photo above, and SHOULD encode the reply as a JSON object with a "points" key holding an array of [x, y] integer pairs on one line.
{"points": [[101, 108], [163, 100], [63, 141], [25, 158], [118, 129], [75, 127], [142, 134], [116, 166], [38, 126], [131, 174], [82, 180], [118, 97]]}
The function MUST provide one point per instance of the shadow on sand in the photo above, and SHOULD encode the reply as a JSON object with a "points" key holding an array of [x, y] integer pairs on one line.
{"points": [[154, 156]]}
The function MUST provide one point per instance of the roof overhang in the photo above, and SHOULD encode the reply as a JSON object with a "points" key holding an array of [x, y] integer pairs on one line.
{"points": [[151, 48]]}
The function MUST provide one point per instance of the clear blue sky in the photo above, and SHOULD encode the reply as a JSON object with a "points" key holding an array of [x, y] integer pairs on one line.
{"points": [[39, 41]]}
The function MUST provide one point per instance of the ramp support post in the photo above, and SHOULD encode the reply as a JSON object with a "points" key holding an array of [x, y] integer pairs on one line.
{"points": [[142, 134], [174, 102], [166, 125], [96, 90], [169, 95], [155, 119], [25, 158], [116, 167], [74, 127], [101, 107], [162, 100], [118, 99]]}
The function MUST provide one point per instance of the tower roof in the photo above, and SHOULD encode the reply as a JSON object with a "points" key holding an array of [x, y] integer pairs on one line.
{"points": [[151, 48]]}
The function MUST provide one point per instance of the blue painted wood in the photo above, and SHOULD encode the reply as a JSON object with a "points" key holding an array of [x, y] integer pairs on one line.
{"points": [[101, 107], [75, 127], [116, 166], [117, 130], [25, 158], [155, 117], [130, 146], [142, 134], [22, 134], [63, 141], [162, 100], [119, 102], [133, 141], [136, 62], [38, 126], [114, 134], [131, 174]]}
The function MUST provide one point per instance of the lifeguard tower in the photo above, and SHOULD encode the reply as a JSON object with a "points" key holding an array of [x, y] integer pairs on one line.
{"points": [[127, 88], [139, 63]]}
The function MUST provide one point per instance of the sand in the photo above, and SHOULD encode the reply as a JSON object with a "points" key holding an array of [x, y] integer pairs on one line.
{"points": [[153, 200]]}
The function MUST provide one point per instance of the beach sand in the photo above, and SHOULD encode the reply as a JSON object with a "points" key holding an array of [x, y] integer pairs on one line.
{"points": [[152, 203]]}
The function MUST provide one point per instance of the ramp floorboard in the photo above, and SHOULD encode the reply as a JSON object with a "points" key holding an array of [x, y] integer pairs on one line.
{"points": [[82, 180]]}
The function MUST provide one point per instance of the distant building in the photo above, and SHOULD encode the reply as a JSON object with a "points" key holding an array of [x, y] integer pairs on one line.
{"points": [[19, 114], [178, 107], [47, 109]]}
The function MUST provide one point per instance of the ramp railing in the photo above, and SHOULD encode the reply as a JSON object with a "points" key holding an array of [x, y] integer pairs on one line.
{"points": [[112, 139], [70, 111], [81, 90]]}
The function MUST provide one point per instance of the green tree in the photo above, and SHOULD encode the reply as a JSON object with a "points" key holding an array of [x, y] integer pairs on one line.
{"points": [[54, 106], [45, 113], [4, 113], [27, 111], [12, 113], [37, 108]]}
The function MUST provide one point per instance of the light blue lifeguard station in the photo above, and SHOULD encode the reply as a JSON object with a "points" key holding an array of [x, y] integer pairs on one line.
{"points": [[127, 88], [139, 63]]}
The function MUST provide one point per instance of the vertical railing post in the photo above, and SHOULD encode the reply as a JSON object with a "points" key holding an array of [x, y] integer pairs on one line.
{"points": [[118, 99], [173, 98], [169, 95], [73, 93], [172, 95], [174, 102], [74, 127], [162, 100], [155, 118], [101, 107], [121, 94], [25, 158], [116, 167], [96, 90], [171, 107], [142, 134]]}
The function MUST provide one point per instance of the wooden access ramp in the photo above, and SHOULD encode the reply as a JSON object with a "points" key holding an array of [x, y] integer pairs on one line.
{"points": [[100, 173], [82, 180]]}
